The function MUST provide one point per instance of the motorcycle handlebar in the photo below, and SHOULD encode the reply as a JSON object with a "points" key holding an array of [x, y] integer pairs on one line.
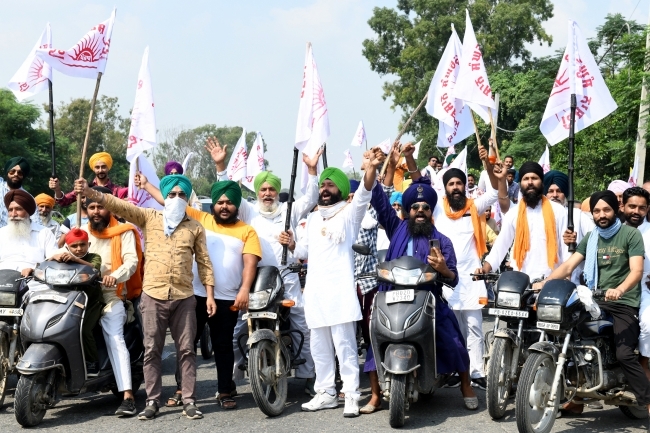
{"points": [[599, 294], [490, 276]]}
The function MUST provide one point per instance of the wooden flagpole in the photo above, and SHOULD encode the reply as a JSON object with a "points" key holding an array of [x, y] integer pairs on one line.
{"points": [[85, 148], [478, 137], [493, 125]]}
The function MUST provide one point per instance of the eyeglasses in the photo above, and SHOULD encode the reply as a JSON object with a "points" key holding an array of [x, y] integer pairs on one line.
{"points": [[423, 206], [174, 194], [16, 172]]}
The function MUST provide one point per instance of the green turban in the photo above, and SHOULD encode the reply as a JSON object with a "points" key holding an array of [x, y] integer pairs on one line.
{"points": [[450, 158], [230, 188], [339, 178], [269, 178], [18, 160], [168, 183]]}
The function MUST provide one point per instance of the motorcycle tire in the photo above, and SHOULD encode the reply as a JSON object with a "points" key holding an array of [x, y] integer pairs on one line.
{"points": [[535, 384], [4, 367], [397, 404], [269, 392], [28, 408], [135, 386], [206, 343], [635, 412], [499, 384]]}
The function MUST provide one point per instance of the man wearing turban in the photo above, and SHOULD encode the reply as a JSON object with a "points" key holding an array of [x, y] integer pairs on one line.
{"points": [[101, 163], [618, 187], [173, 242], [45, 205], [15, 171]]}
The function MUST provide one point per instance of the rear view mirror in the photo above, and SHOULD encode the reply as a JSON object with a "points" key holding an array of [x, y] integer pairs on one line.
{"points": [[361, 249]]}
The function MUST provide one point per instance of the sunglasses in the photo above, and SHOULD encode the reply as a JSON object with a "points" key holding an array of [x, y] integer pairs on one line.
{"points": [[423, 206], [176, 194], [16, 172]]}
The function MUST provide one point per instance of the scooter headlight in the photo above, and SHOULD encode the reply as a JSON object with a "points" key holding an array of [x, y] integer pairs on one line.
{"points": [[549, 313], [406, 277], [39, 274], [81, 278], [258, 300], [385, 275], [383, 319], [508, 300], [57, 277]]}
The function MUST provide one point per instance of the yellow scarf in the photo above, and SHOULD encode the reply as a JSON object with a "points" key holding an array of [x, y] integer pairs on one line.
{"points": [[522, 234], [477, 221]]}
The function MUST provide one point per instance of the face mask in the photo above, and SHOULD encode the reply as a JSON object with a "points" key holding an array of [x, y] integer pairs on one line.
{"points": [[173, 214]]}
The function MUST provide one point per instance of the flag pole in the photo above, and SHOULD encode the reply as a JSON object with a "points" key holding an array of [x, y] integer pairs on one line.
{"points": [[324, 155], [52, 142], [85, 148], [287, 218], [572, 246], [493, 125], [478, 137]]}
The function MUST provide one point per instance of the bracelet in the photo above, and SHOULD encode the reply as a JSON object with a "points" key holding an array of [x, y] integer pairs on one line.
{"points": [[413, 171], [503, 198]]}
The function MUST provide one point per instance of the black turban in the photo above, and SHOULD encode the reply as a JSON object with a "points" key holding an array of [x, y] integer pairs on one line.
{"points": [[531, 167], [20, 161], [558, 178], [606, 196], [454, 172]]}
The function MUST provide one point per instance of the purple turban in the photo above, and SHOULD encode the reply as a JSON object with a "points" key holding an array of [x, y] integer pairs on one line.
{"points": [[420, 191], [171, 165]]}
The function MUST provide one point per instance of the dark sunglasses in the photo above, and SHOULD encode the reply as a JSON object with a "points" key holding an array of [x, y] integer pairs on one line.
{"points": [[16, 172], [176, 194], [423, 206]]}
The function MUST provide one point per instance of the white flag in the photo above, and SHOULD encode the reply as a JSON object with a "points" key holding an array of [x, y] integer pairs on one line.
{"points": [[416, 153], [88, 57], [460, 162], [255, 162], [634, 173], [33, 74], [545, 161], [137, 196], [360, 135], [142, 135], [385, 145], [455, 122], [237, 165], [348, 162], [186, 161], [593, 99], [450, 151], [472, 85]]}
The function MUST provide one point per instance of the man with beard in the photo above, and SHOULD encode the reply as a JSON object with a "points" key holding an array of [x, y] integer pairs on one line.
{"points": [[45, 204], [173, 242], [613, 255], [331, 303], [535, 227], [16, 170], [472, 188], [24, 243], [101, 163], [121, 252]]}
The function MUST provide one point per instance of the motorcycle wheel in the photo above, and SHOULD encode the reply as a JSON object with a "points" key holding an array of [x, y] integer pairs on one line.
{"points": [[206, 343], [28, 408], [635, 412], [498, 377], [397, 405], [4, 367], [533, 392], [269, 392]]}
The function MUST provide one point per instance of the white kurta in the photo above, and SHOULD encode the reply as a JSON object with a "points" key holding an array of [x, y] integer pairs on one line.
{"points": [[330, 294], [461, 233], [644, 310], [535, 264]]}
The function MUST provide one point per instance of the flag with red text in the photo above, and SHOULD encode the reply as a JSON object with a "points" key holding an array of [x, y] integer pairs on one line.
{"points": [[236, 169], [348, 162], [33, 74], [137, 196], [545, 161], [360, 135], [142, 135], [255, 162]]}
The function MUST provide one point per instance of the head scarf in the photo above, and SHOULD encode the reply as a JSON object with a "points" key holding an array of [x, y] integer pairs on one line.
{"points": [[618, 187], [171, 165], [354, 185], [607, 196], [396, 197], [591, 257], [420, 190], [20, 161], [101, 189], [103, 157], [339, 178], [167, 183], [75, 235], [454, 172], [269, 178], [229, 188], [531, 167], [23, 198], [44, 199], [558, 178]]}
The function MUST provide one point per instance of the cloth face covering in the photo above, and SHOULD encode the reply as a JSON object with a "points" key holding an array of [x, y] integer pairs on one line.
{"points": [[173, 214]]}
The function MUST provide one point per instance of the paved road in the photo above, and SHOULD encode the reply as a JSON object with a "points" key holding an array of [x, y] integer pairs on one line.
{"points": [[442, 412]]}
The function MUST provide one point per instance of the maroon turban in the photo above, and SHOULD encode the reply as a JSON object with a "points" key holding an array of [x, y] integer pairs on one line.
{"points": [[23, 198]]}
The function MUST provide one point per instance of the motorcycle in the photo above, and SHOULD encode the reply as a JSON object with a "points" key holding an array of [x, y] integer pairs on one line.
{"points": [[12, 289], [271, 353], [402, 333], [578, 360], [53, 363]]}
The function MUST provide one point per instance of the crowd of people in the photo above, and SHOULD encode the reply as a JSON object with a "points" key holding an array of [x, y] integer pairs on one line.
{"points": [[181, 267]]}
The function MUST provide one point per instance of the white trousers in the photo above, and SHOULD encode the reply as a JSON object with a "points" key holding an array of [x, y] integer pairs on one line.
{"points": [[113, 322], [644, 323], [471, 326], [340, 340]]}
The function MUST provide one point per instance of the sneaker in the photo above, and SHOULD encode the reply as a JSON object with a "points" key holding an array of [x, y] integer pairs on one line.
{"points": [[192, 412], [309, 387], [127, 408], [452, 382], [322, 400], [351, 407], [479, 383], [150, 411], [92, 369]]}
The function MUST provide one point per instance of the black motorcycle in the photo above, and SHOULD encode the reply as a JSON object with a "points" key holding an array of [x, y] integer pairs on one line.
{"points": [[53, 363], [12, 289], [577, 360]]}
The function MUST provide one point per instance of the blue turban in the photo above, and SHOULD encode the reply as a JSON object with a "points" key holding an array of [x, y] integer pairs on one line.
{"points": [[558, 178], [396, 197], [168, 183], [420, 190], [354, 185]]}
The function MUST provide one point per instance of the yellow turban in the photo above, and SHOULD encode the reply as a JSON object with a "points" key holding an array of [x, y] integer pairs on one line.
{"points": [[103, 157], [44, 199]]}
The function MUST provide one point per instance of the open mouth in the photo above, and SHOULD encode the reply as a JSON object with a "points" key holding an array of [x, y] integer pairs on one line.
{"points": [[420, 218]]}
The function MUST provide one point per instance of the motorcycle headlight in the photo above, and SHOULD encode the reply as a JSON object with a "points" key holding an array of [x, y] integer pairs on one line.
{"points": [[406, 277], [58, 277], [258, 300], [550, 313], [7, 298], [39, 274], [427, 277], [81, 278], [508, 300], [385, 275]]}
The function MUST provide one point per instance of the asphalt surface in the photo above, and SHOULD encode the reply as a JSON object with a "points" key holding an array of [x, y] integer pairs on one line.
{"points": [[444, 411]]}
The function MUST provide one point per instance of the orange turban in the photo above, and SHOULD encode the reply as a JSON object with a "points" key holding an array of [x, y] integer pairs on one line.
{"points": [[44, 199], [103, 157], [585, 207]]}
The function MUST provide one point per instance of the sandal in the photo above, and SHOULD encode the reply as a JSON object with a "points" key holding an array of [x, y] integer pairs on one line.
{"points": [[368, 409], [226, 402], [175, 400]]}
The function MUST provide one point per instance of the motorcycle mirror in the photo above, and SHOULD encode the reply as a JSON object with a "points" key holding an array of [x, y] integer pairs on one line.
{"points": [[361, 249]]}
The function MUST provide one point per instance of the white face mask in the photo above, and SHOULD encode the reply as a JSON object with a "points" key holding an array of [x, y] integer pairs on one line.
{"points": [[173, 214]]}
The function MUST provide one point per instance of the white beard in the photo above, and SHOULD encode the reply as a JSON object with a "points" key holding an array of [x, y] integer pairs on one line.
{"points": [[269, 208], [45, 220], [19, 229]]}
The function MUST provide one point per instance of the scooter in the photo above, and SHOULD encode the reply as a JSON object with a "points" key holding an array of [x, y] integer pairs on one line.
{"points": [[12, 289], [53, 363]]}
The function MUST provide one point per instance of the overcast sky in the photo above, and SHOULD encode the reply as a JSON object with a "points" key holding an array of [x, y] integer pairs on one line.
{"points": [[239, 63]]}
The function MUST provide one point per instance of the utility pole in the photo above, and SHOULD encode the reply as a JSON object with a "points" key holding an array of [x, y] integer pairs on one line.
{"points": [[643, 118]]}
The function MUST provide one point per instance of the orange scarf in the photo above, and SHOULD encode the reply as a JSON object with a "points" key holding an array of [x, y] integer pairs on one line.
{"points": [[477, 221], [114, 232], [522, 234]]}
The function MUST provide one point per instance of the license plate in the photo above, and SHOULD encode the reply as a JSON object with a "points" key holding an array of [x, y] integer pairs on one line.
{"points": [[11, 311], [393, 296], [259, 315], [546, 325], [509, 313], [48, 297]]}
